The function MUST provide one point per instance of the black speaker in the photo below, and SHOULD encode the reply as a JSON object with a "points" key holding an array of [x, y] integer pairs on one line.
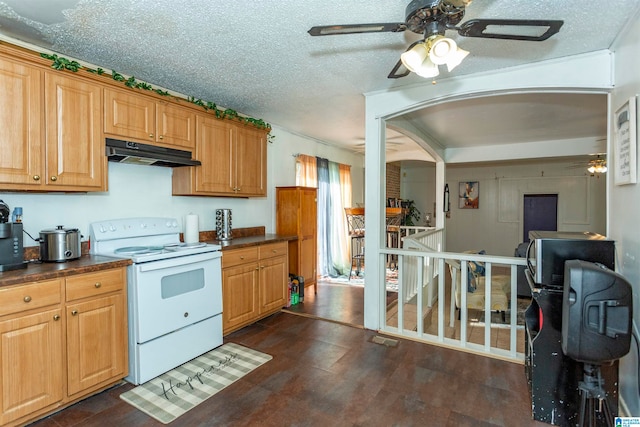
{"points": [[596, 313]]}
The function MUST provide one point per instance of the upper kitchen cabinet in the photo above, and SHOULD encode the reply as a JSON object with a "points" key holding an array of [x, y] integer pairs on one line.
{"points": [[234, 161], [75, 155], [50, 129], [21, 127], [140, 118]]}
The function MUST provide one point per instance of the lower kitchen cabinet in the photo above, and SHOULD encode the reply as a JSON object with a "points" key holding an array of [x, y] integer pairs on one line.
{"points": [[60, 341], [31, 371], [254, 284]]}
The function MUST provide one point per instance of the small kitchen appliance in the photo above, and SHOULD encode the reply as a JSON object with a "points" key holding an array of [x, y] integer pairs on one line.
{"points": [[60, 244], [223, 224], [174, 292], [11, 244]]}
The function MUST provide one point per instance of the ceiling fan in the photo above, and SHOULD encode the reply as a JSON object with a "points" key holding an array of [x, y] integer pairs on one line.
{"points": [[431, 18], [595, 165]]}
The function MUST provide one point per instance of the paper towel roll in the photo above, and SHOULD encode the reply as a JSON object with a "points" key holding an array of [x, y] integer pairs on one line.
{"points": [[191, 231]]}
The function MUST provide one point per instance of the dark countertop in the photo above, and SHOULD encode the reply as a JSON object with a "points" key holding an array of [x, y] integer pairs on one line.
{"points": [[37, 271], [247, 241]]}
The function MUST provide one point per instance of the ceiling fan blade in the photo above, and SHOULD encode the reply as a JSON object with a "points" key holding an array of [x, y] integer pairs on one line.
{"points": [[394, 72], [539, 29], [330, 30]]}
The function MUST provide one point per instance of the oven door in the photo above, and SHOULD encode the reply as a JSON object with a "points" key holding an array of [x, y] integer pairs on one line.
{"points": [[170, 294]]}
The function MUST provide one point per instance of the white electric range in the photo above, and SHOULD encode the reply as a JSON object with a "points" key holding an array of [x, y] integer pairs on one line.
{"points": [[174, 292]]}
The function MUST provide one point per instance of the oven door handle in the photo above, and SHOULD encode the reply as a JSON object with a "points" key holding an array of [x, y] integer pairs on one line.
{"points": [[180, 261]]}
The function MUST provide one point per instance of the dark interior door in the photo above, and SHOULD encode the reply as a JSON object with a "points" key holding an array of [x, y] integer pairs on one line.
{"points": [[540, 213]]}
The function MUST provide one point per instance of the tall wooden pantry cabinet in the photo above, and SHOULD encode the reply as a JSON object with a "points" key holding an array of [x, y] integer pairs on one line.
{"points": [[296, 214]]}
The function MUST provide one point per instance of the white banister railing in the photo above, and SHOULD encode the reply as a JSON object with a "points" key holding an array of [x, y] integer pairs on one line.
{"points": [[420, 271], [456, 324]]}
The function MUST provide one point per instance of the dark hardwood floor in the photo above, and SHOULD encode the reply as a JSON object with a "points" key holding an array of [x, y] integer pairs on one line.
{"points": [[329, 373]]}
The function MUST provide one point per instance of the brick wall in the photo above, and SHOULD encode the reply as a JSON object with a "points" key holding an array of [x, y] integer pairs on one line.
{"points": [[393, 180]]}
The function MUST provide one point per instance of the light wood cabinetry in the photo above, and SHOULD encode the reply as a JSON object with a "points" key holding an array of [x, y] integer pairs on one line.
{"points": [[21, 127], [274, 277], [234, 161], [51, 134], [96, 329], [296, 214], [136, 117], [254, 284], [60, 340], [74, 140], [31, 342]]}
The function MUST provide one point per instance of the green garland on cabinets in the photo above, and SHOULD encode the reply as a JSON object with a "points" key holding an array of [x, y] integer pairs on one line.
{"points": [[60, 63]]}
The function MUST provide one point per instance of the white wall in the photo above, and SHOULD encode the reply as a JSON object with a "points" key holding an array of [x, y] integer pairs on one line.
{"points": [[418, 183], [624, 206], [146, 191], [582, 200], [496, 226]]}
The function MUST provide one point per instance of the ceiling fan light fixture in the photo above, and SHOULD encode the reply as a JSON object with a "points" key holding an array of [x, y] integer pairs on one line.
{"points": [[440, 49], [414, 57], [456, 58], [597, 166], [428, 69]]}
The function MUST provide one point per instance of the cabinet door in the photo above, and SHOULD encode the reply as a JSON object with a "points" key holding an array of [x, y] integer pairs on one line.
{"points": [[251, 159], [74, 139], [214, 150], [31, 358], [273, 284], [308, 235], [129, 115], [239, 296], [96, 342], [307, 259], [175, 126], [21, 139]]}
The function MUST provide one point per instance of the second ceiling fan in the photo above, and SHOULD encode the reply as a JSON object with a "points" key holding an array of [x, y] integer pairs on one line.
{"points": [[432, 18]]}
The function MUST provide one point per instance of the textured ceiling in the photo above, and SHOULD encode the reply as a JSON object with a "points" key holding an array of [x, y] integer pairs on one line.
{"points": [[257, 58]]}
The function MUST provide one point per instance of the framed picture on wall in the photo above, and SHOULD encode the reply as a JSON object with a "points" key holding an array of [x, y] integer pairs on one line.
{"points": [[469, 195], [625, 143]]}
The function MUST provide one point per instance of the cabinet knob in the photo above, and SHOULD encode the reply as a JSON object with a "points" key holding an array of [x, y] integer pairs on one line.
{"points": [[27, 299], [241, 257], [36, 177], [56, 317], [97, 285], [274, 251], [74, 312], [150, 135], [161, 137], [54, 178]]}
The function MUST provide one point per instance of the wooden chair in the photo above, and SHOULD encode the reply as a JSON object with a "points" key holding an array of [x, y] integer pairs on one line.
{"points": [[355, 224], [393, 220]]}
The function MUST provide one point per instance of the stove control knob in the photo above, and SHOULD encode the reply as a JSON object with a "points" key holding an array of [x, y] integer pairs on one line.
{"points": [[143, 225], [103, 229], [186, 314], [112, 227]]}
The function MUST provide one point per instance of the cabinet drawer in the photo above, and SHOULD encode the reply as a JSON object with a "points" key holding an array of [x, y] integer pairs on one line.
{"points": [[98, 283], [273, 249], [239, 256], [27, 297]]}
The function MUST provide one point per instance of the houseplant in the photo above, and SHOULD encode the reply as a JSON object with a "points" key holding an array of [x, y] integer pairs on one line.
{"points": [[411, 213]]}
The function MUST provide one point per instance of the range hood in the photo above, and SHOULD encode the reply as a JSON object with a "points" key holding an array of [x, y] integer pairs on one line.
{"points": [[144, 154]]}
